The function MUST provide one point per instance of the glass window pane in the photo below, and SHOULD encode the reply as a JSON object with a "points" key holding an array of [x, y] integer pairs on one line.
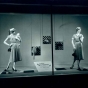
{"points": [[70, 43], [31, 56]]}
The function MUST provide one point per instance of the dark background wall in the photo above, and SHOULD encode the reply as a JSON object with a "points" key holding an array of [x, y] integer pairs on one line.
{"points": [[31, 27], [64, 28]]}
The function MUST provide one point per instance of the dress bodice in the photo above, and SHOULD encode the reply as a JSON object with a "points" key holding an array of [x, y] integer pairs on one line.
{"points": [[77, 38], [13, 38]]}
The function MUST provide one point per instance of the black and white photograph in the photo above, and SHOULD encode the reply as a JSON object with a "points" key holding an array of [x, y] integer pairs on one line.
{"points": [[27, 45]]}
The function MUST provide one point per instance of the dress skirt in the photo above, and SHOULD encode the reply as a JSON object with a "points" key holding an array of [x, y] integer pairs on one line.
{"points": [[15, 54], [79, 55]]}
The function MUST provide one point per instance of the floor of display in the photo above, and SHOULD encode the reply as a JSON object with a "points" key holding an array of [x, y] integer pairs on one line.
{"points": [[33, 72]]}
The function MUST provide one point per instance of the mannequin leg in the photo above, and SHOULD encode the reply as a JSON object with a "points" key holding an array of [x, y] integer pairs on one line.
{"points": [[8, 66], [78, 64], [13, 65], [73, 64], [14, 69]]}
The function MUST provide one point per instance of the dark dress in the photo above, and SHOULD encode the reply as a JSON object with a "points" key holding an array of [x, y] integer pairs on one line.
{"points": [[15, 54], [79, 55]]}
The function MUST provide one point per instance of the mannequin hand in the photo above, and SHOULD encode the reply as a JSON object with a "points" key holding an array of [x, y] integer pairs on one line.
{"points": [[10, 45], [74, 47], [17, 37]]}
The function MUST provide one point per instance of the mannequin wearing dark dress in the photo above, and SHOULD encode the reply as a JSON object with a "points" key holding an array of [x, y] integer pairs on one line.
{"points": [[77, 42]]}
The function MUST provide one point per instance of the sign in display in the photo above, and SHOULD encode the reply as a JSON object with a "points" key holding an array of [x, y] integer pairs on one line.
{"points": [[43, 66]]}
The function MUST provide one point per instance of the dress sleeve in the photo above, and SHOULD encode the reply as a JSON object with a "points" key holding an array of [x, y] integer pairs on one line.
{"points": [[82, 36], [73, 37], [8, 37]]}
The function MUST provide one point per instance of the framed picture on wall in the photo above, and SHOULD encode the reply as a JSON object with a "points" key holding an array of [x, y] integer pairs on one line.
{"points": [[46, 39]]}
